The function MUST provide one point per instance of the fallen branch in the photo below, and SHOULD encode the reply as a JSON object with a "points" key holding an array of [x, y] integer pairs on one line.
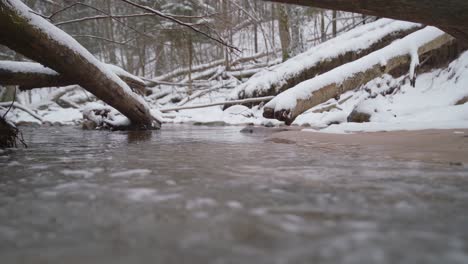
{"points": [[23, 108], [204, 67], [152, 82], [245, 101], [201, 93], [243, 74]]}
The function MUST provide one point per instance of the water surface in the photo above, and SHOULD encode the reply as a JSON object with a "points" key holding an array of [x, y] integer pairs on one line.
{"points": [[190, 194]]}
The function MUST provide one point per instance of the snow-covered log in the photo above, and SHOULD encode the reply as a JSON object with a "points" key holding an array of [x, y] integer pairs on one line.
{"points": [[405, 52], [31, 75], [324, 57], [31, 35], [449, 15]]}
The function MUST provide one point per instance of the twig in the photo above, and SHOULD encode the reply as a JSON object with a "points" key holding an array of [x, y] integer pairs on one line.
{"points": [[22, 107], [124, 43], [177, 21], [102, 12]]}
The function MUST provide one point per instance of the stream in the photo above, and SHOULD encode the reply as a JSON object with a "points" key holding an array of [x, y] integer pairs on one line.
{"points": [[194, 194]]}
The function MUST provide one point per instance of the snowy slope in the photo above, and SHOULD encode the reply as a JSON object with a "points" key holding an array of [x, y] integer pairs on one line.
{"points": [[429, 105]]}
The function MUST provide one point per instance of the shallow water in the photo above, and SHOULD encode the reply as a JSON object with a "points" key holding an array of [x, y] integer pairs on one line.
{"points": [[191, 194]]}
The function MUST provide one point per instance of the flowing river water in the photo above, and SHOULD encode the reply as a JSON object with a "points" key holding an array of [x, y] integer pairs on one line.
{"points": [[191, 194]]}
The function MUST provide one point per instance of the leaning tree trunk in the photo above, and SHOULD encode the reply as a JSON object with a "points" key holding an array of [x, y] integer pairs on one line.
{"points": [[449, 15], [36, 38], [293, 102]]}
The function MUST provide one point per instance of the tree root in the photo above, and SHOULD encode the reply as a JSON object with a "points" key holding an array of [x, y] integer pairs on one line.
{"points": [[10, 135]]}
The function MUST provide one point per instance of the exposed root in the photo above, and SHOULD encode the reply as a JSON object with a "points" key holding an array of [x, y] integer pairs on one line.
{"points": [[10, 135]]}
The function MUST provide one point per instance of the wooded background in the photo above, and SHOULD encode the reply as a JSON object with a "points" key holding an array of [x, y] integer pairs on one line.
{"points": [[148, 45]]}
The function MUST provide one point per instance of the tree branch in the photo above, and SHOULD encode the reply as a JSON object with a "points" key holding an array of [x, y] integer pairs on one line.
{"points": [[179, 22]]}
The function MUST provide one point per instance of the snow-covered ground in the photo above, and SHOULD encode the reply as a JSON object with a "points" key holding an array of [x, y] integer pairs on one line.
{"points": [[393, 104], [431, 104], [428, 105]]}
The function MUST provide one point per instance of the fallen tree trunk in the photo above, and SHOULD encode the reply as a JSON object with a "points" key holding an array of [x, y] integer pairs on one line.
{"points": [[244, 101], [345, 48], [449, 15], [31, 75], [404, 53], [207, 66], [39, 40]]}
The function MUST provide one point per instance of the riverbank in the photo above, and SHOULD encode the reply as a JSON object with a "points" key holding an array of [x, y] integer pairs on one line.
{"points": [[439, 146]]}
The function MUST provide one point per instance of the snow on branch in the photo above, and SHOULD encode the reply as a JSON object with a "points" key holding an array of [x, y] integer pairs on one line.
{"points": [[31, 75]]}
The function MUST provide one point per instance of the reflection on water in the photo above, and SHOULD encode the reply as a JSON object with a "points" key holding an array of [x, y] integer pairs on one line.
{"points": [[214, 195], [139, 136]]}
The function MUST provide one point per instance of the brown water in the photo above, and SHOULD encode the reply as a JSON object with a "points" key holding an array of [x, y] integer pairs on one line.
{"points": [[213, 195]]}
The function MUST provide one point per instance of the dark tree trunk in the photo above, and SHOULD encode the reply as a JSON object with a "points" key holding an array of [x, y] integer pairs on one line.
{"points": [[285, 38], [449, 15]]}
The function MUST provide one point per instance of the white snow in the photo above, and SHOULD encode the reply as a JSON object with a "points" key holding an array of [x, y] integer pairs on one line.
{"points": [[354, 40], [121, 72], [429, 105], [407, 45], [26, 67]]}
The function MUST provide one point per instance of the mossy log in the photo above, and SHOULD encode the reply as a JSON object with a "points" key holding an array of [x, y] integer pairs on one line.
{"points": [[34, 37]]}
